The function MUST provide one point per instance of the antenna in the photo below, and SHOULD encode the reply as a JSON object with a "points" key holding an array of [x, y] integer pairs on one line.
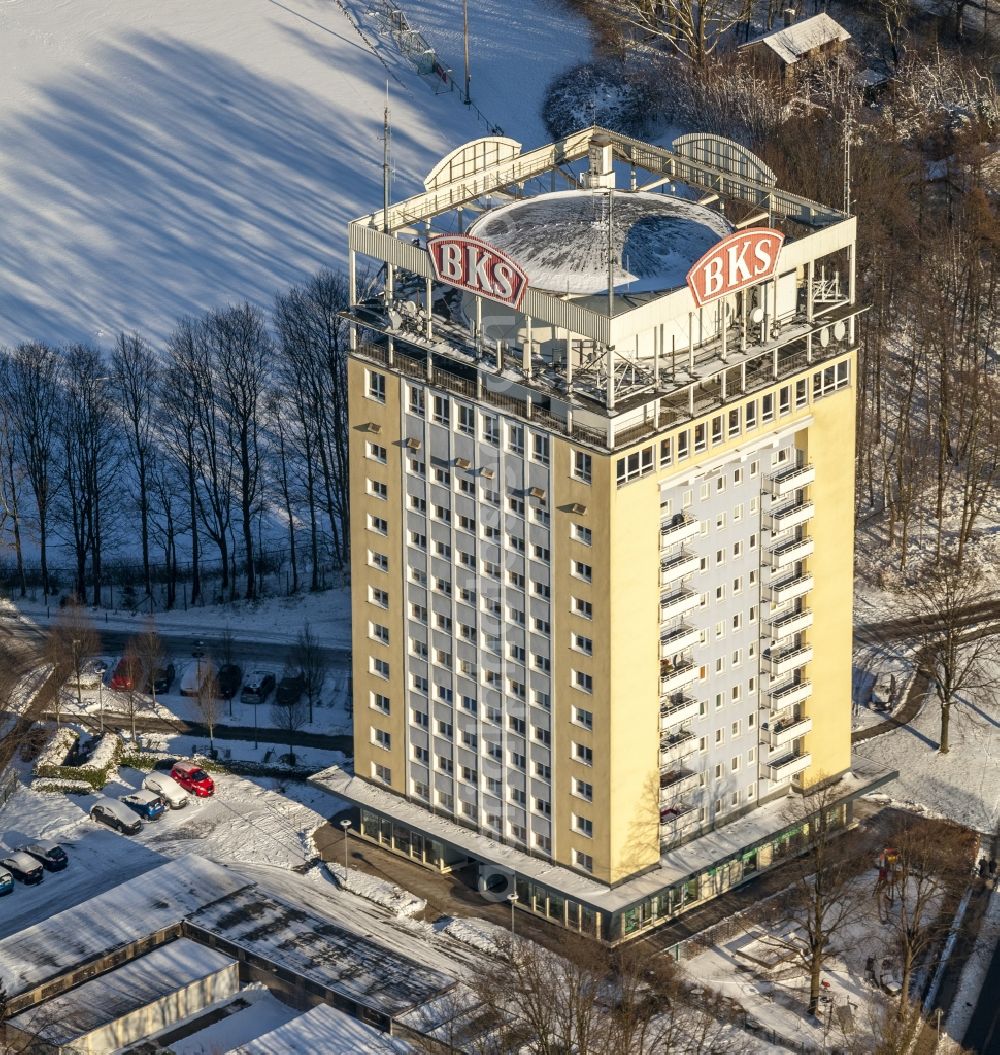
{"points": [[847, 161], [386, 131], [611, 255], [467, 98]]}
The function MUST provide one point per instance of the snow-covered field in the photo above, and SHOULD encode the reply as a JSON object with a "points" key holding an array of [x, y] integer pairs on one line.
{"points": [[157, 159]]}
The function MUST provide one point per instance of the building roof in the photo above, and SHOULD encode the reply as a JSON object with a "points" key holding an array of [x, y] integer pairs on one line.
{"points": [[136, 984], [157, 899], [322, 1029], [795, 42]]}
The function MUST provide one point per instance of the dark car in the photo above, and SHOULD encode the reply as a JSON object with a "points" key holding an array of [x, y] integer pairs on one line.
{"points": [[112, 813], [161, 679], [6, 882], [23, 867], [51, 856], [258, 686], [229, 678], [291, 687]]}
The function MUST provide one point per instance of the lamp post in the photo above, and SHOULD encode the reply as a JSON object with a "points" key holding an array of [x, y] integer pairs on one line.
{"points": [[76, 667], [513, 899], [256, 745], [467, 98], [346, 827]]}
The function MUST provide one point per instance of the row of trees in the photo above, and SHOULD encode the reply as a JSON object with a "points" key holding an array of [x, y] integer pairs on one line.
{"points": [[236, 418]]}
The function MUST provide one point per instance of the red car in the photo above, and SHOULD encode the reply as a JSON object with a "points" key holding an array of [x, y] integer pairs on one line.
{"points": [[193, 778], [125, 676]]}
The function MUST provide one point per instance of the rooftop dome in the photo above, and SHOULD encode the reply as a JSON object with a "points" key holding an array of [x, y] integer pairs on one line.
{"points": [[560, 239]]}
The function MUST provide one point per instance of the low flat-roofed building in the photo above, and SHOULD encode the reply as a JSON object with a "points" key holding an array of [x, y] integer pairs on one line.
{"points": [[129, 1002], [323, 1029]]}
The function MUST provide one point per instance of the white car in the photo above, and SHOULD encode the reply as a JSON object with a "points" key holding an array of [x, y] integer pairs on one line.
{"points": [[164, 785], [196, 675], [91, 674]]}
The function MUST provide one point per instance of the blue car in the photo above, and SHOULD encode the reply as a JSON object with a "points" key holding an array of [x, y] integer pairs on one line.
{"points": [[6, 882], [148, 805]]}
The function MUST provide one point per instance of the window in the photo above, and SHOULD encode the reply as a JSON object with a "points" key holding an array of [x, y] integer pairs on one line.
{"points": [[583, 790], [416, 401], [582, 534], [516, 725], [541, 553], [466, 419], [418, 648], [518, 761], [378, 702], [541, 699], [376, 386], [785, 400], [700, 438], [666, 452], [376, 452], [378, 667], [584, 718], [583, 861], [418, 540], [543, 771], [445, 764], [445, 729], [516, 506], [442, 410], [634, 466], [583, 825], [491, 429], [584, 682], [382, 773], [418, 504], [418, 612], [801, 396], [583, 754], [750, 415], [541, 448], [734, 422], [541, 662], [583, 644], [379, 597], [767, 408], [379, 632], [442, 476], [737, 549], [382, 739], [583, 571], [683, 445], [583, 608], [583, 467], [515, 439], [378, 560], [543, 736], [417, 467], [443, 513], [717, 435], [378, 524]]}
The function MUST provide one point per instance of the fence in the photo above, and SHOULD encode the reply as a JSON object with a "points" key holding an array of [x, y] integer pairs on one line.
{"points": [[8, 785]]}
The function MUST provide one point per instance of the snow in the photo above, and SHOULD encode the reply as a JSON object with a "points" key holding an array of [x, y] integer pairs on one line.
{"points": [[56, 750], [400, 902], [323, 1029], [479, 933], [250, 1015], [974, 972], [963, 785], [794, 42], [159, 159], [657, 237]]}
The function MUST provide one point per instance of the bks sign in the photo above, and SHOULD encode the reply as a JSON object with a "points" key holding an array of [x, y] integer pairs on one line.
{"points": [[739, 260], [470, 263]]}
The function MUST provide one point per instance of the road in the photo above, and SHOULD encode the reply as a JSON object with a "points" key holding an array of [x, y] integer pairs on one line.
{"points": [[983, 1034], [910, 626]]}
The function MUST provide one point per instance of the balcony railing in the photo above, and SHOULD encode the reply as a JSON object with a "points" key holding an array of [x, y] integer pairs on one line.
{"points": [[787, 767], [678, 639], [678, 603], [790, 480], [677, 820], [789, 693], [675, 568], [676, 746], [792, 623], [782, 733], [676, 710], [789, 516], [784, 662], [675, 782], [789, 589], [791, 551], [678, 529], [672, 679]]}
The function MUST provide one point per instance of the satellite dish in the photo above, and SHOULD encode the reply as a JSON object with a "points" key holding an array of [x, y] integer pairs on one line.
{"points": [[757, 315], [840, 330], [824, 336], [409, 308]]}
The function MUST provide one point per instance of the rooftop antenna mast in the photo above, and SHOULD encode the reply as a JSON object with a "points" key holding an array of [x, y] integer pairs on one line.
{"points": [[847, 162], [466, 98], [386, 173], [611, 253]]}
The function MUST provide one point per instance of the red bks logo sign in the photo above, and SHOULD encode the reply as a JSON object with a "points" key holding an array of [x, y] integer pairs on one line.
{"points": [[470, 263], [739, 260]]}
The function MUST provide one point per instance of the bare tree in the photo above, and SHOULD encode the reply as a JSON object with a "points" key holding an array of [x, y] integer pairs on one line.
{"points": [[950, 655], [282, 473], [289, 716], [148, 647], [131, 695], [209, 702], [11, 473], [136, 376], [825, 896], [71, 641], [691, 28], [310, 657]]}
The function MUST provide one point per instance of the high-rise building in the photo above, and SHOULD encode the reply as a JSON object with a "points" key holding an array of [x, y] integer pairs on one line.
{"points": [[602, 490]]}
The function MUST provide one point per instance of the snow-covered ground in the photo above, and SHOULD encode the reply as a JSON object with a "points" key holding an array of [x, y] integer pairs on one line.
{"points": [[159, 159], [963, 785]]}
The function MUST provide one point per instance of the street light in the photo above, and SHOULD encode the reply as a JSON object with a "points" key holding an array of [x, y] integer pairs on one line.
{"points": [[346, 826], [76, 667], [513, 899]]}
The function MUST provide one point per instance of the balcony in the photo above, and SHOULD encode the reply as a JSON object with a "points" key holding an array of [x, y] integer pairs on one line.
{"points": [[788, 589], [791, 551], [677, 709], [789, 516], [790, 480], [784, 732], [792, 623], [778, 664], [789, 693], [675, 782], [675, 568], [678, 529], [787, 767], [673, 679], [677, 639], [677, 820], [676, 746], [678, 603]]}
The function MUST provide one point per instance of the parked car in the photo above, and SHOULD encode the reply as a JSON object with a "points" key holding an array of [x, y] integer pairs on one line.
{"points": [[112, 813], [193, 778], [167, 788], [6, 882], [92, 674], [291, 687], [146, 803], [197, 674], [883, 691], [258, 686], [23, 867], [125, 675], [51, 856], [230, 677], [161, 679]]}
